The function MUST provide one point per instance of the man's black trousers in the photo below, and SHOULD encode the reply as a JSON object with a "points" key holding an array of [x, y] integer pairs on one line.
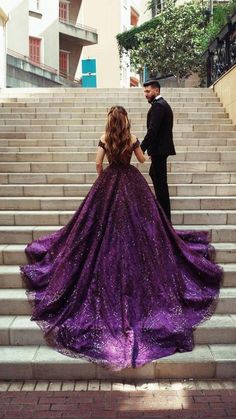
{"points": [[158, 173]]}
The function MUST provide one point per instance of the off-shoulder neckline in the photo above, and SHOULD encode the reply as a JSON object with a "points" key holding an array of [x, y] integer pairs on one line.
{"points": [[133, 143]]}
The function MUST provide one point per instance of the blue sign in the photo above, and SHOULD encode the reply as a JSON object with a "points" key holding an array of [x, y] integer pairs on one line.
{"points": [[89, 81], [89, 77], [88, 66]]}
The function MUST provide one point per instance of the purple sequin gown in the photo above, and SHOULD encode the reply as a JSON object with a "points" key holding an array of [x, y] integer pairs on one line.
{"points": [[118, 285]]}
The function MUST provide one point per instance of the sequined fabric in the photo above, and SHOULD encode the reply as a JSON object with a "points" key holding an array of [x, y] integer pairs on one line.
{"points": [[118, 285]]}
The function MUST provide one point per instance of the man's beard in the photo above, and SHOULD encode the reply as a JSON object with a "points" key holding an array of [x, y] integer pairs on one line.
{"points": [[151, 99]]}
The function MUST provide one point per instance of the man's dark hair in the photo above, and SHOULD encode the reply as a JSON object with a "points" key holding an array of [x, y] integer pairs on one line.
{"points": [[153, 83]]}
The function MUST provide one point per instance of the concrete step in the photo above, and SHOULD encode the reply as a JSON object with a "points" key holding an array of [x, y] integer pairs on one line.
{"points": [[95, 128], [100, 92], [61, 217], [13, 114], [74, 133], [14, 301], [118, 100], [17, 91], [222, 180], [43, 363], [99, 100], [98, 124], [98, 111], [89, 122], [85, 156], [93, 149], [25, 234], [179, 142], [89, 167], [82, 92], [21, 331], [131, 106], [73, 202], [179, 189]]}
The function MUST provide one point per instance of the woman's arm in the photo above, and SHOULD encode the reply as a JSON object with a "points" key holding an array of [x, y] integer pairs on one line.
{"points": [[139, 155], [138, 151], [100, 157]]}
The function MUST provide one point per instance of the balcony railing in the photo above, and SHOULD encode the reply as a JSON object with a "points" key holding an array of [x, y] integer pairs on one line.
{"points": [[45, 67], [78, 25], [221, 53]]}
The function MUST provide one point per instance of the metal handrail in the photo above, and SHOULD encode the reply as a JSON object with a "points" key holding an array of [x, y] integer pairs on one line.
{"points": [[42, 66], [77, 25], [221, 53]]}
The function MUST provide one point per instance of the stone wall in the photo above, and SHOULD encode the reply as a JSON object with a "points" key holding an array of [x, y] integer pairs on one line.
{"points": [[225, 89], [23, 74]]}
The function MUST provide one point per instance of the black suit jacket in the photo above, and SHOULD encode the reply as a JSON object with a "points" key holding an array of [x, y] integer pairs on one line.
{"points": [[159, 137]]}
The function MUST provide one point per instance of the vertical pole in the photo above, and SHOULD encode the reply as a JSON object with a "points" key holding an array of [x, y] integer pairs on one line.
{"points": [[209, 68], [3, 49], [211, 9]]}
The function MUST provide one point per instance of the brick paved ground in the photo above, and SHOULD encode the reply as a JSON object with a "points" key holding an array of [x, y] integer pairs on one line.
{"points": [[101, 400]]}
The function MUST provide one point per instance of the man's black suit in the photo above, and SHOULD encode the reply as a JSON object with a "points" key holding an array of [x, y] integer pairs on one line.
{"points": [[159, 145]]}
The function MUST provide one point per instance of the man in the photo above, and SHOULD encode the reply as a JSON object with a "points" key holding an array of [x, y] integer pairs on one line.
{"points": [[159, 141]]}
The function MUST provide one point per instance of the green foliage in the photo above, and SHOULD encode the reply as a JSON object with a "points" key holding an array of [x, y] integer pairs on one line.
{"points": [[171, 43], [174, 40], [129, 39], [151, 4], [221, 15]]}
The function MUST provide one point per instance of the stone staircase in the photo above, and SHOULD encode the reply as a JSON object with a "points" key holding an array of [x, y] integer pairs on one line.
{"points": [[48, 141]]}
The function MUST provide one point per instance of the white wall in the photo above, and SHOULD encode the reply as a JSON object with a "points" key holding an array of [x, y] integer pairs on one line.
{"points": [[110, 17], [144, 13], [47, 28], [105, 16], [125, 26], [136, 4], [17, 26], [3, 54]]}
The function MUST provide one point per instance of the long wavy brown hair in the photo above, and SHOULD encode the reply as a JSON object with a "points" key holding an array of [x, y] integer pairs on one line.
{"points": [[118, 136]]}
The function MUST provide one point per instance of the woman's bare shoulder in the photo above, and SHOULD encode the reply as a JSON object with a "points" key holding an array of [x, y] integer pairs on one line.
{"points": [[102, 139]]}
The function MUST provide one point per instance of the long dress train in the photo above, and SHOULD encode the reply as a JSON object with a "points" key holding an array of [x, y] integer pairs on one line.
{"points": [[118, 285]]}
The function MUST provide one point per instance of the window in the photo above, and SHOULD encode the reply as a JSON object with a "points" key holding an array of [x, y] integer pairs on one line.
{"points": [[64, 63], [64, 10], [134, 17], [35, 49]]}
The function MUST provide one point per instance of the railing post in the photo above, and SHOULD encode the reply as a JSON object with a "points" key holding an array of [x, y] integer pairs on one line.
{"points": [[209, 69]]}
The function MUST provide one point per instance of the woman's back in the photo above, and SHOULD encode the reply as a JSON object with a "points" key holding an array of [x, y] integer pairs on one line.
{"points": [[118, 160], [118, 143]]}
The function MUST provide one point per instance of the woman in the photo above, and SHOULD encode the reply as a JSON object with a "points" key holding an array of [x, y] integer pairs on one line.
{"points": [[117, 285]]}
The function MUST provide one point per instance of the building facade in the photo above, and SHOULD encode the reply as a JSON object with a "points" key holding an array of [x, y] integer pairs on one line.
{"points": [[101, 65], [45, 40], [145, 14]]}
